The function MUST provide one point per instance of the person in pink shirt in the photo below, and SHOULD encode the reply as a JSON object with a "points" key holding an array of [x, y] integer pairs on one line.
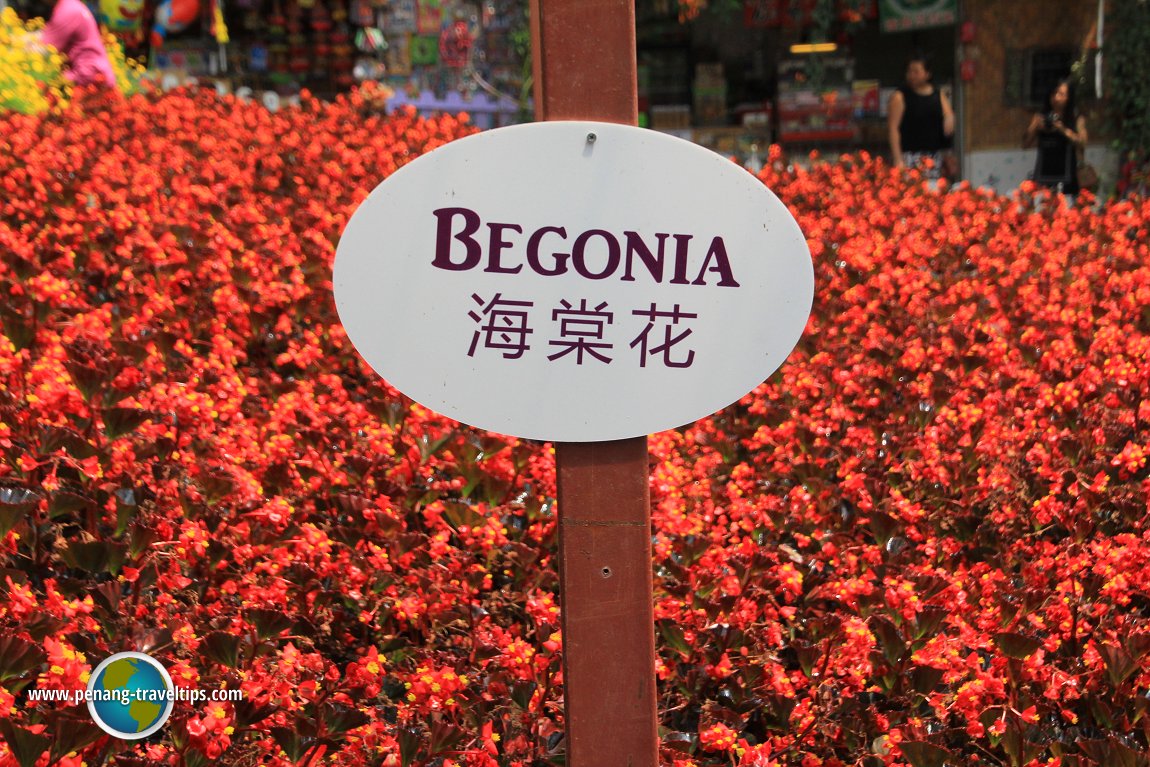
{"points": [[72, 30]]}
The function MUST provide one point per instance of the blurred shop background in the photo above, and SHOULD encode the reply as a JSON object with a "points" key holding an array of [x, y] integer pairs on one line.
{"points": [[732, 75]]}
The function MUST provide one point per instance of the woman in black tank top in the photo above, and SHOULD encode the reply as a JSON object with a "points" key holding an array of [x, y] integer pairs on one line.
{"points": [[920, 121], [1059, 133]]}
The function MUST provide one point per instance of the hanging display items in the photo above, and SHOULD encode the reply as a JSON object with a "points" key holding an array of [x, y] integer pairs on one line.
{"points": [[430, 17], [258, 58], [398, 56], [173, 16], [370, 40], [217, 26], [777, 13], [424, 50], [362, 13], [402, 16], [455, 43], [342, 53], [436, 55], [796, 14], [299, 63], [277, 43], [123, 18]]}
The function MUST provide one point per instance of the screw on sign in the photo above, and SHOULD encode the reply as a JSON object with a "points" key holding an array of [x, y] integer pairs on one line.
{"points": [[586, 283]]}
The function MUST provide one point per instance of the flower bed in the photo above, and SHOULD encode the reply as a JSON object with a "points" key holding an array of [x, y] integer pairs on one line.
{"points": [[922, 542]]}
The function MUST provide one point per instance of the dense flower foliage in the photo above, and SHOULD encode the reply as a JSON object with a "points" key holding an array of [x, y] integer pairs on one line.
{"points": [[32, 81], [923, 541]]}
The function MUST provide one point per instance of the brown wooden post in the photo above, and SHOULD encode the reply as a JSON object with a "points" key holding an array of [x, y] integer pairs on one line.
{"points": [[606, 596], [585, 69], [584, 60]]}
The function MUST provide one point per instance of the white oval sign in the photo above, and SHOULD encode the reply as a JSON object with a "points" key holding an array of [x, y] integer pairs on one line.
{"points": [[573, 281]]}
